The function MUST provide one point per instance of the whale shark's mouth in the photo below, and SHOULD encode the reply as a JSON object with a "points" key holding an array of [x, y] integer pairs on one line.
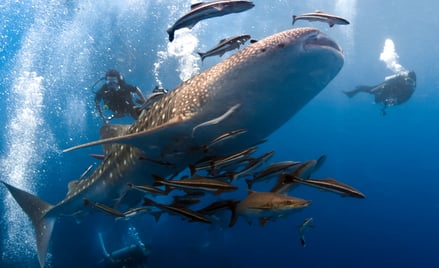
{"points": [[318, 39]]}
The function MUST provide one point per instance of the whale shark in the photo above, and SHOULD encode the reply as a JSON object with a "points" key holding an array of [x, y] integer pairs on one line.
{"points": [[258, 89]]}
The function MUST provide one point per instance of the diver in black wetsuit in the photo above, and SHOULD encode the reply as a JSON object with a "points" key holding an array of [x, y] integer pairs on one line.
{"points": [[117, 96], [134, 255], [394, 90]]}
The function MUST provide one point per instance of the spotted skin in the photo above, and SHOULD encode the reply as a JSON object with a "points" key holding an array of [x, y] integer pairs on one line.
{"points": [[267, 82]]}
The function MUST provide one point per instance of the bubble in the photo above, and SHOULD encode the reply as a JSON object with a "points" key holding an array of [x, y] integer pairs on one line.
{"points": [[390, 57]]}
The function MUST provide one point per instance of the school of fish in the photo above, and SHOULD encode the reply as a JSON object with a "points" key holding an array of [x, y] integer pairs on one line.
{"points": [[203, 137]]}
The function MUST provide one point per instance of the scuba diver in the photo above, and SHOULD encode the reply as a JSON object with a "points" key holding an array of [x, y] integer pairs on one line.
{"points": [[117, 96], [395, 89], [134, 255]]}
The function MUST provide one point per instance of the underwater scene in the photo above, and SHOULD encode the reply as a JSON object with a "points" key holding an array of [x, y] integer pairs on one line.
{"points": [[222, 133]]}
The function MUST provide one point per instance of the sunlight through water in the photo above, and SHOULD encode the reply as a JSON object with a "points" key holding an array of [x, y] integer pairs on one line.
{"points": [[347, 9], [18, 165]]}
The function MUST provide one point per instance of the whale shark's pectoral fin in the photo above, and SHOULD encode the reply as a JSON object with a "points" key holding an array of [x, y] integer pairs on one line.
{"points": [[144, 140]]}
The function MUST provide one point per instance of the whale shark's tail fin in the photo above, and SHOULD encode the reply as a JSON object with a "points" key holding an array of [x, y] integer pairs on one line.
{"points": [[37, 210], [358, 89]]}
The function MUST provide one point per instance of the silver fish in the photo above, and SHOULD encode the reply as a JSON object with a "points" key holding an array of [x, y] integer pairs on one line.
{"points": [[225, 45], [104, 208], [262, 78], [306, 225], [330, 185], [303, 170], [185, 213], [197, 183], [213, 163], [270, 171], [321, 16], [223, 137], [206, 10]]}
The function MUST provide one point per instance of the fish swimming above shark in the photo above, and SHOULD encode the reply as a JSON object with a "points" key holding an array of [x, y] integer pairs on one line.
{"points": [[321, 16], [258, 89], [225, 45], [205, 10], [328, 184]]}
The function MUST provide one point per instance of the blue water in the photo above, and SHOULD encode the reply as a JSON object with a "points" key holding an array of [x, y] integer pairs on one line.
{"points": [[52, 52]]}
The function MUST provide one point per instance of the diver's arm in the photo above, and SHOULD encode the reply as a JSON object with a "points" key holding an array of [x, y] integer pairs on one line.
{"points": [[141, 99], [98, 99]]}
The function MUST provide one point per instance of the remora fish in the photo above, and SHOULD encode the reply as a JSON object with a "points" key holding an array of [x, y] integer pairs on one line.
{"points": [[216, 162], [329, 185], [321, 16], [268, 206], [185, 213], [304, 170], [223, 137], [206, 10], [197, 183], [307, 223], [276, 77], [225, 45], [271, 170]]}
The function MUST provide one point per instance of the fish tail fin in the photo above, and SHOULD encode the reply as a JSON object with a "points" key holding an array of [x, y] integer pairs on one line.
{"points": [[320, 162], [202, 56], [302, 241], [168, 189], [290, 179], [249, 183], [37, 210], [294, 19], [156, 215], [158, 181], [170, 32], [234, 215], [192, 169], [148, 202]]}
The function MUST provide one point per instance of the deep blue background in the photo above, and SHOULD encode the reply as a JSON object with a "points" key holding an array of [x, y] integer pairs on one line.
{"points": [[392, 159]]}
